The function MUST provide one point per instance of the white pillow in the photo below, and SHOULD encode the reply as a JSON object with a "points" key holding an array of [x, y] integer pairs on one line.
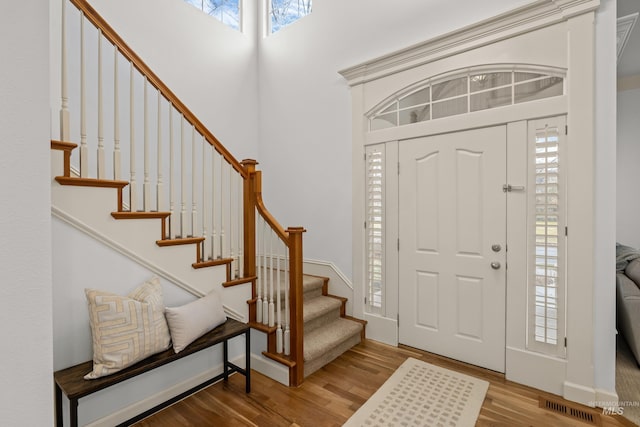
{"points": [[190, 321], [127, 329]]}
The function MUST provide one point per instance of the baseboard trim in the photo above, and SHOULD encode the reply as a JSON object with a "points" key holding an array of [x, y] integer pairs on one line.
{"points": [[96, 235], [328, 264], [270, 369], [139, 407], [579, 393]]}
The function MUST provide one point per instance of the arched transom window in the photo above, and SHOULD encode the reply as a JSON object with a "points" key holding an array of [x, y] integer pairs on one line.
{"points": [[465, 92]]}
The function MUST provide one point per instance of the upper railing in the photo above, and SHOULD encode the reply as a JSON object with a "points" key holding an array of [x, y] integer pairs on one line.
{"points": [[132, 127]]}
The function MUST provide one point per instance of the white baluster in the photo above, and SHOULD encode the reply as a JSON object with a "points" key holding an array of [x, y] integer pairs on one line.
{"points": [[100, 154], [159, 182], [272, 308], [133, 185], [172, 192], [183, 180], [194, 206], [205, 201], [116, 118], [214, 203], [84, 149], [265, 300], [279, 337], [223, 247], [64, 91], [146, 185], [240, 216], [287, 331], [259, 266], [231, 217]]}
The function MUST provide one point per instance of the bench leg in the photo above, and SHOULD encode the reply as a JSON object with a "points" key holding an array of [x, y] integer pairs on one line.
{"points": [[59, 422], [225, 350], [73, 412], [247, 377]]}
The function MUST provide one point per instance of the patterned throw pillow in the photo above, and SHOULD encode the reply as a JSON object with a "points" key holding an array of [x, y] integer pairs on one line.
{"points": [[127, 329]]}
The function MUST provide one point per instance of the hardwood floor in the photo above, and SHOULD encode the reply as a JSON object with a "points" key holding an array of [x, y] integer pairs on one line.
{"points": [[332, 394]]}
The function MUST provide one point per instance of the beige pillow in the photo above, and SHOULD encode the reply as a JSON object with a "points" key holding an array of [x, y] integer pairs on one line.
{"points": [[190, 321], [127, 329]]}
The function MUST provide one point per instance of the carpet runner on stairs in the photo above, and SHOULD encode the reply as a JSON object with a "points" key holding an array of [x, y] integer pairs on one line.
{"points": [[326, 334]]}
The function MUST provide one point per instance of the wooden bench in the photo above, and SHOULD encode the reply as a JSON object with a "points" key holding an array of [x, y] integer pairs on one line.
{"points": [[71, 382]]}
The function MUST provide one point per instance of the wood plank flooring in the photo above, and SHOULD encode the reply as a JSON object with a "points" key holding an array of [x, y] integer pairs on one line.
{"points": [[332, 394]]}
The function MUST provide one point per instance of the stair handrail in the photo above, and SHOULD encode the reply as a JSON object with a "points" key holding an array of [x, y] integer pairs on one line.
{"points": [[292, 238], [252, 191], [110, 34]]}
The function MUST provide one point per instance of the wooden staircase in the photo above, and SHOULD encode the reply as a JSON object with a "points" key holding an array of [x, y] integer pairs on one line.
{"points": [[328, 331], [186, 190]]}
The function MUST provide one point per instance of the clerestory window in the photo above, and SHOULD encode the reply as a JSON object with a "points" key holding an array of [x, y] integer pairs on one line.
{"points": [[228, 12], [286, 12], [467, 92]]}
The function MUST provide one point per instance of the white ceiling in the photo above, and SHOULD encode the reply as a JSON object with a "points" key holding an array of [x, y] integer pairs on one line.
{"points": [[629, 64]]}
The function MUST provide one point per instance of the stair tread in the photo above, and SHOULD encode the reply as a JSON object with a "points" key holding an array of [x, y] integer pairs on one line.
{"points": [[319, 306], [318, 341]]}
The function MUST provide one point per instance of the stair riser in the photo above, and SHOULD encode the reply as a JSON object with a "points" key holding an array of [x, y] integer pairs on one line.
{"points": [[321, 321]]}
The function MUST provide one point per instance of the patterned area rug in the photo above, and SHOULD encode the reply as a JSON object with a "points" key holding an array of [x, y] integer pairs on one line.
{"points": [[421, 394]]}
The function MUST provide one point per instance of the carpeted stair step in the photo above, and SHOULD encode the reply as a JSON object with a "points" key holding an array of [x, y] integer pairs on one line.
{"points": [[323, 345], [320, 311], [311, 286]]}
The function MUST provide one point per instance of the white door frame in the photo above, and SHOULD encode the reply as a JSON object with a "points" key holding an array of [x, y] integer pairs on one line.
{"points": [[551, 33]]}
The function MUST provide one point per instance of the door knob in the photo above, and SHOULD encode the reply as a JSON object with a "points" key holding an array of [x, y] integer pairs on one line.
{"points": [[495, 265]]}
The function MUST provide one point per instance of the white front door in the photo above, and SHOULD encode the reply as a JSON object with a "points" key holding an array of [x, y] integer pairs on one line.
{"points": [[452, 215]]}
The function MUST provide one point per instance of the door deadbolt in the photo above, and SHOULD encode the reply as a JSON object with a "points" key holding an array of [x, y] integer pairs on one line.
{"points": [[496, 248]]}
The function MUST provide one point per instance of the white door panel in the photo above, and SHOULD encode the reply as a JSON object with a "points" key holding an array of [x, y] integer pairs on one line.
{"points": [[452, 209]]}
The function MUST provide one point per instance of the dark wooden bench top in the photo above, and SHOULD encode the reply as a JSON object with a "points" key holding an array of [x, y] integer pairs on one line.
{"points": [[71, 380]]}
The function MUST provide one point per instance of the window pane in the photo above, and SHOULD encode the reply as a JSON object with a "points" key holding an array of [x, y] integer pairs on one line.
{"points": [[539, 89], [375, 229], [450, 88], [226, 11], [285, 12], [384, 121], [489, 80], [416, 98], [491, 99], [450, 107], [547, 226], [414, 115], [392, 107], [521, 77]]}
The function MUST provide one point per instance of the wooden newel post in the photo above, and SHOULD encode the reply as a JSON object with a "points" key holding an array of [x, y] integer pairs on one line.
{"points": [[295, 304], [249, 218]]}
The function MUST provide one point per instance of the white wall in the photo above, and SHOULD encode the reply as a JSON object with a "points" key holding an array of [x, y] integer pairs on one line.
{"points": [[628, 172], [305, 105], [604, 315], [26, 391], [208, 65]]}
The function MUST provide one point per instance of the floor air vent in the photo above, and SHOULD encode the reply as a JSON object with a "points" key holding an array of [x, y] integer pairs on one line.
{"points": [[588, 417]]}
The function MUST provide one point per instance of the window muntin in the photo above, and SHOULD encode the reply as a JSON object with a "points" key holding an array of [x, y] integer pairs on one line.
{"points": [[286, 12], [226, 11], [476, 90]]}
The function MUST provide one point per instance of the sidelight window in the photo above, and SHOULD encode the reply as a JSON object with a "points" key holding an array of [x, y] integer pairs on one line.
{"points": [[375, 231], [547, 243]]}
